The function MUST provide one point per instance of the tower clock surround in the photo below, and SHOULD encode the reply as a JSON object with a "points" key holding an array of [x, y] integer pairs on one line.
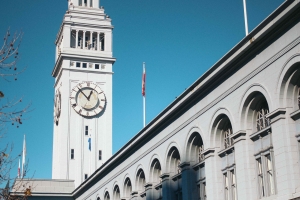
{"points": [[87, 99]]}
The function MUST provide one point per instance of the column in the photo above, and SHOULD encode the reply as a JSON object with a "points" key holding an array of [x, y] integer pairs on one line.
{"points": [[98, 41], [167, 189], [83, 47], [149, 192], [66, 39], [189, 187], [76, 45]]}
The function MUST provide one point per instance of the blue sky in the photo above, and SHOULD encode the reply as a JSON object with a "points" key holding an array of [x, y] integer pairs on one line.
{"points": [[179, 40]]}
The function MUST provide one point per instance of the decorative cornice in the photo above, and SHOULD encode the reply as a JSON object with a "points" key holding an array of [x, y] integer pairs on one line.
{"points": [[208, 152], [164, 176], [276, 115], [143, 194], [255, 136], [238, 136], [198, 165], [184, 166], [157, 186], [295, 115], [176, 177], [148, 186], [225, 152]]}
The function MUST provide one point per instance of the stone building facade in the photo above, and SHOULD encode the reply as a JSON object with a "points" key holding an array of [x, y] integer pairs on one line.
{"points": [[233, 134]]}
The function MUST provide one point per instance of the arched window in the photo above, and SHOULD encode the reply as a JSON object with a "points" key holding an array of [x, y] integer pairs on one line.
{"points": [[106, 196], [116, 194], [155, 173], [98, 198], [127, 188], [195, 148], [257, 109], [173, 161], [140, 180], [195, 155], [227, 132], [261, 120]]}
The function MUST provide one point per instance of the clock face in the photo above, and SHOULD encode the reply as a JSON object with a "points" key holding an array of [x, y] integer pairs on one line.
{"points": [[87, 99], [57, 106]]}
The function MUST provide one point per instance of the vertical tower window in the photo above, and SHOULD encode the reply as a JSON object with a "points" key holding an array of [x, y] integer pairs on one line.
{"points": [[298, 98], [266, 179], [203, 193], [260, 178], [233, 185], [102, 41], [72, 154], [226, 186], [85, 176], [270, 175], [100, 154], [86, 130], [230, 185]]}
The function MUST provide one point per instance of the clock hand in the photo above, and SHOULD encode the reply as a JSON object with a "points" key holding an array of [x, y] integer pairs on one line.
{"points": [[90, 95], [82, 93]]}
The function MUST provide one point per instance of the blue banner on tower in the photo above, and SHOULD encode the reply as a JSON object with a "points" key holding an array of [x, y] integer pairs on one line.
{"points": [[90, 143]]}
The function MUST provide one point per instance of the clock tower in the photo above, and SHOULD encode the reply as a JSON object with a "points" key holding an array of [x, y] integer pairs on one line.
{"points": [[82, 138]]}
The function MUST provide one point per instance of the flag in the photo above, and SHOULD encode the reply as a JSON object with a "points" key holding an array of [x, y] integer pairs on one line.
{"points": [[23, 157], [90, 143], [19, 172], [144, 81]]}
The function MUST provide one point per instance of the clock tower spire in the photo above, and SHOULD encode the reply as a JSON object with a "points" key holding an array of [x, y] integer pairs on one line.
{"points": [[82, 134]]}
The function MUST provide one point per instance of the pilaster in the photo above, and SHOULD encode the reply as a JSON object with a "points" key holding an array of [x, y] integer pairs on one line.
{"points": [[167, 189], [214, 179], [149, 191], [285, 153], [244, 166], [189, 189]]}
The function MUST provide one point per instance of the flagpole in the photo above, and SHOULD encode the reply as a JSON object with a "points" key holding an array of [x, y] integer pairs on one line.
{"points": [[144, 94], [245, 16], [23, 157], [19, 169]]}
